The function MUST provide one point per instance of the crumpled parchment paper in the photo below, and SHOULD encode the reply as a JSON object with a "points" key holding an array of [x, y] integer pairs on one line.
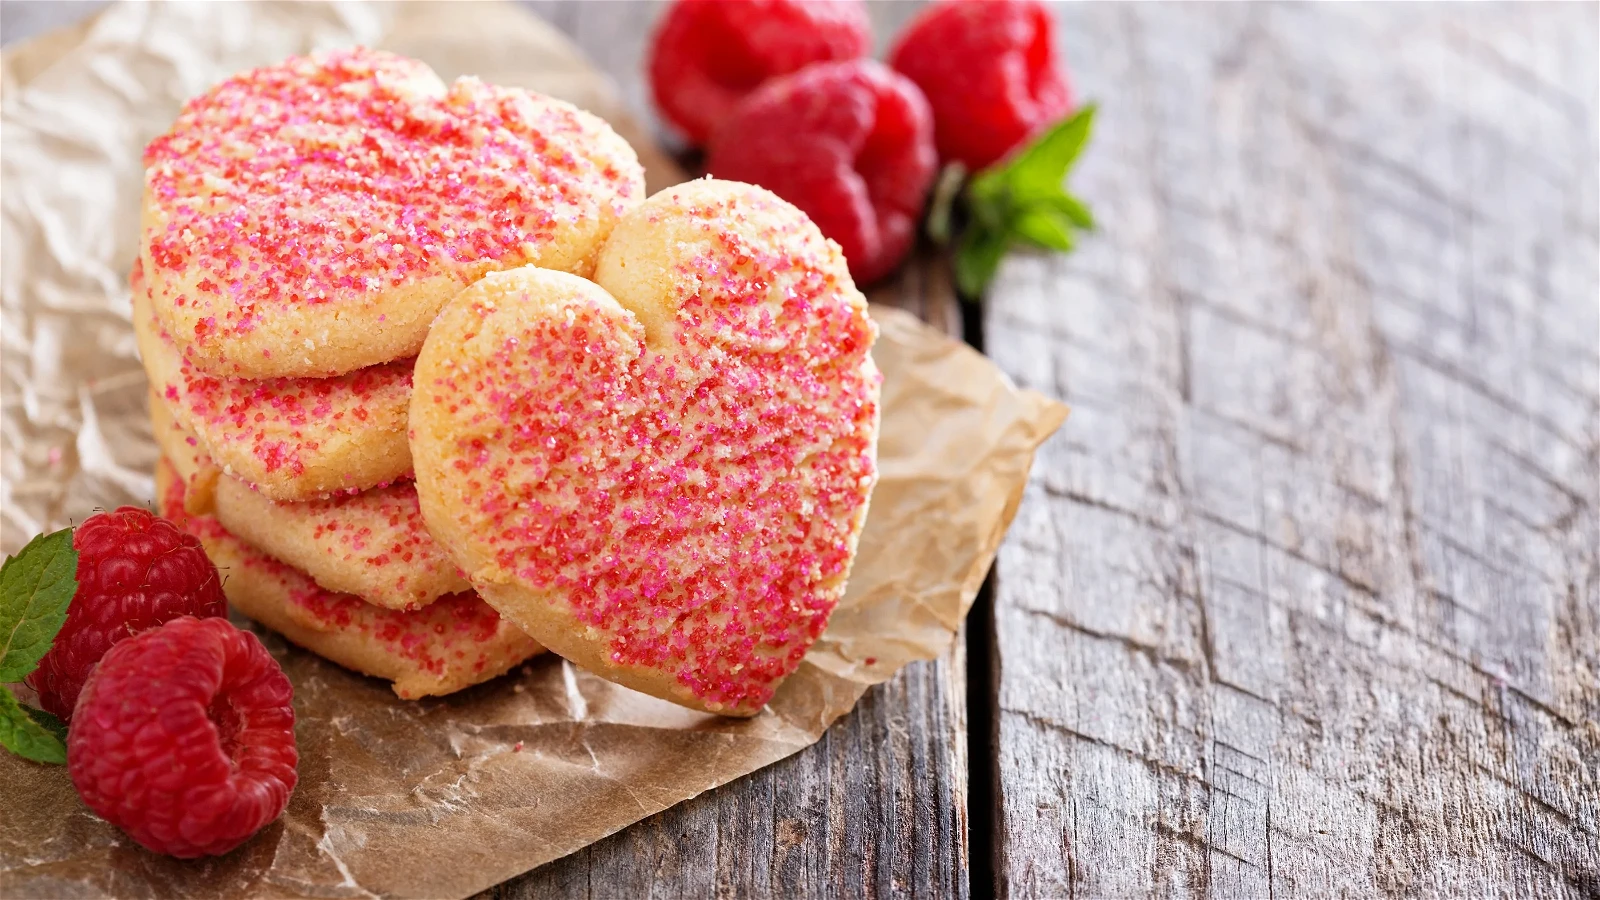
{"points": [[443, 797]]}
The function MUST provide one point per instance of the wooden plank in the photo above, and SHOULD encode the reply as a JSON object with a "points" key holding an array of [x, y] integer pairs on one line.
{"points": [[878, 807], [1305, 599]]}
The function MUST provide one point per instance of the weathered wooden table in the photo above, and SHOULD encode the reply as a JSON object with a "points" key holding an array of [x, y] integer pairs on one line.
{"points": [[1305, 599]]}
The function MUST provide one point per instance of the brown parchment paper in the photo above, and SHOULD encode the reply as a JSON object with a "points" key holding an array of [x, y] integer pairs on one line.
{"points": [[443, 797]]}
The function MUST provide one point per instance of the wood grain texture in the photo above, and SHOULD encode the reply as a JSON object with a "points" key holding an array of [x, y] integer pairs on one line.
{"points": [[1305, 599]]}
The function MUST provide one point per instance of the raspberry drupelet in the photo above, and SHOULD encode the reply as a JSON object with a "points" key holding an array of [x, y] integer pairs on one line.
{"points": [[990, 72], [135, 571], [708, 54], [184, 738]]}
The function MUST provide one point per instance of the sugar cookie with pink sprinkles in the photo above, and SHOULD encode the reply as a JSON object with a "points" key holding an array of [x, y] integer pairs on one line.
{"points": [[662, 474], [372, 544], [191, 464], [309, 218], [454, 643], [292, 438]]}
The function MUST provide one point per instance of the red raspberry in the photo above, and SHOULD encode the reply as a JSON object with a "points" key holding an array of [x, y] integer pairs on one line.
{"points": [[135, 571], [850, 143], [184, 738], [709, 53], [990, 72]]}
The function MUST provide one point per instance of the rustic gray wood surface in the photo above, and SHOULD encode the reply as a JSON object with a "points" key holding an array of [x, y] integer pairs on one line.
{"points": [[1305, 599]]}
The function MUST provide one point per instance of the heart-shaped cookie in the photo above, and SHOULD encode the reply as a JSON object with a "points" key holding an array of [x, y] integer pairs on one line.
{"points": [[309, 219], [372, 544], [290, 438], [454, 643], [661, 474], [190, 462]]}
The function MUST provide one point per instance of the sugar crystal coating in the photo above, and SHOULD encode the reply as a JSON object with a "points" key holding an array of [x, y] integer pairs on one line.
{"points": [[309, 218], [292, 438], [450, 644], [681, 467], [372, 544]]}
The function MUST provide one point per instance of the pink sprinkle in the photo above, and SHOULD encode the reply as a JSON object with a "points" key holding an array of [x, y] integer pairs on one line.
{"points": [[281, 422]]}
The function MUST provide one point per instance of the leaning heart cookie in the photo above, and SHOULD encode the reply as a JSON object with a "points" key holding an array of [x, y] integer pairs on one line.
{"points": [[660, 475], [310, 218]]}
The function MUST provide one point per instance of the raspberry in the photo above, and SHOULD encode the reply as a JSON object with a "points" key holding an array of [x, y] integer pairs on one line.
{"points": [[850, 143], [184, 738], [990, 72], [708, 54], [135, 571]]}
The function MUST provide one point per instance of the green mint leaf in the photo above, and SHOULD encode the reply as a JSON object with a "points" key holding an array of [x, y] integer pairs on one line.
{"points": [[1045, 227], [988, 213], [35, 587], [1043, 166], [1075, 210], [1020, 199], [989, 188], [48, 722], [978, 258], [24, 736]]}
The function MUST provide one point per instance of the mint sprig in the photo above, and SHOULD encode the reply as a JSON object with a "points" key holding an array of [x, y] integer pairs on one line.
{"points": [[26, 736], [1020, 200], [36, 586], [48, 722]]}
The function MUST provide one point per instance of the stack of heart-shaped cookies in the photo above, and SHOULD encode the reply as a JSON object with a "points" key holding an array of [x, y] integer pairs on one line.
{"points": [[302, 225], [435, 385]]}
